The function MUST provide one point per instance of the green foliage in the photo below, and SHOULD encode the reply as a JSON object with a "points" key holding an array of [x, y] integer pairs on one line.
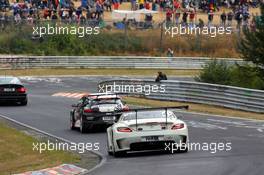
{"points": [[216, 72], [245, 76], [251, 46], [21, 42]]}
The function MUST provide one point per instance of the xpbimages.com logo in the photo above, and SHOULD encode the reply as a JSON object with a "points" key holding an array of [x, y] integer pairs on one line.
{"points": [[64, 146], [212, 147], [80, 31], [211, 31], [146, 89]]}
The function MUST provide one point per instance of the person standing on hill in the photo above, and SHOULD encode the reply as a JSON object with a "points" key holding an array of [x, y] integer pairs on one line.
{"points": [[223, 18], [170, 52], [230, 16]]}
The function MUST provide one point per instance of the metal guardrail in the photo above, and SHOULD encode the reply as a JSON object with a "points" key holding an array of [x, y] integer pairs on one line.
{"points": [[139, 62], [183, 91]]}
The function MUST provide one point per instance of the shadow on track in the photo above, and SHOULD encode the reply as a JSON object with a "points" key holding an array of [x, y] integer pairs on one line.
{"points": [[10, 104]]}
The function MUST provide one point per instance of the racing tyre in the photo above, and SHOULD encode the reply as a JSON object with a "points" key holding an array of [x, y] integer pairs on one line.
{"points": [[119, 153], [24, 102], [72, 123], [83, 126], [110, 153], [183, 150]]}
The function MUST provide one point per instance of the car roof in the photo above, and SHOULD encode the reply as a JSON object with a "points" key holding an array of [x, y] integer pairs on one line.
{"points": [[106, 97], [158, 111], [9, 80], [147, 114], [103, 96]]}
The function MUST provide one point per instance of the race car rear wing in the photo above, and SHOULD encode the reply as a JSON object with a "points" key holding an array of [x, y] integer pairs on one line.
{"points": [[186, 107]]}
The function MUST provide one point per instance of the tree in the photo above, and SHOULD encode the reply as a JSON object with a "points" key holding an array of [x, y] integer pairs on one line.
{"points": [[216, 72], [252, 43]]}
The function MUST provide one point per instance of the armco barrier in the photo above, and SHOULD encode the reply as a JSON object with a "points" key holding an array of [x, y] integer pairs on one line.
{"points": [[139, 62], [183, 91]]}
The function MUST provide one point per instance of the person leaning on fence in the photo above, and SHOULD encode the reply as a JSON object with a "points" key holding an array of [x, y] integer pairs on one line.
{"points": [[161, 76]]}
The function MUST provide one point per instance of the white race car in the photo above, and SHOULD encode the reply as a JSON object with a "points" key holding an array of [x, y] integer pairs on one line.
{"points": [[147, 129]]}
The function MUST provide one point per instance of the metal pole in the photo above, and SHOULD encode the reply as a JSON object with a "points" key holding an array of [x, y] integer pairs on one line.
{"points": [[161, 36], [136, 119], [166, 110], [125, 21]]}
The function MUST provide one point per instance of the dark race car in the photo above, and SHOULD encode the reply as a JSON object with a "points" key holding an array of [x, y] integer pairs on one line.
{"points": [[96, 110], [12, 90]]}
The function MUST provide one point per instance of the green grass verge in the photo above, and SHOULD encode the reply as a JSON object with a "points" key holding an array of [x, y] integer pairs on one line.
{"points": [[149, 72], [17, 155]]}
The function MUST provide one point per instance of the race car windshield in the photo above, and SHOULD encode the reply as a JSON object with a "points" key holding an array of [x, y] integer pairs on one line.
{"points": [[106, 101], [148, 115], [8, 80]]}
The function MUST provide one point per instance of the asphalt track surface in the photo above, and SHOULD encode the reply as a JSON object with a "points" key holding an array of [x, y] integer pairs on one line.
{"points": [[51, 114]]}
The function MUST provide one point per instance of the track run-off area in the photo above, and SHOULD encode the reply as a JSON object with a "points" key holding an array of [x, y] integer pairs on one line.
{"points": [[50, 101]]}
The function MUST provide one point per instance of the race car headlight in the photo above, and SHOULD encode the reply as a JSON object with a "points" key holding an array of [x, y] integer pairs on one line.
{"points": [[177, 126], [124, 129]]}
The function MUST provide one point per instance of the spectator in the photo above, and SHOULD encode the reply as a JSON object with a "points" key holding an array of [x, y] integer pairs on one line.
{"points": [[155, 5], [108, 5], [238, 17], [98, 9], [201, 23], [54, 16], [168, 15], [148, 21], [230, 16], [17, 18], [141, 4], [245, 22], [161, 76], [191, 17], [253, 24], [223, 19], [177, 16], [133, 4], [78, 12], [116, 4], [147, 5], [170, 52], [184, 18], [162, 5], [210, 18]]}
